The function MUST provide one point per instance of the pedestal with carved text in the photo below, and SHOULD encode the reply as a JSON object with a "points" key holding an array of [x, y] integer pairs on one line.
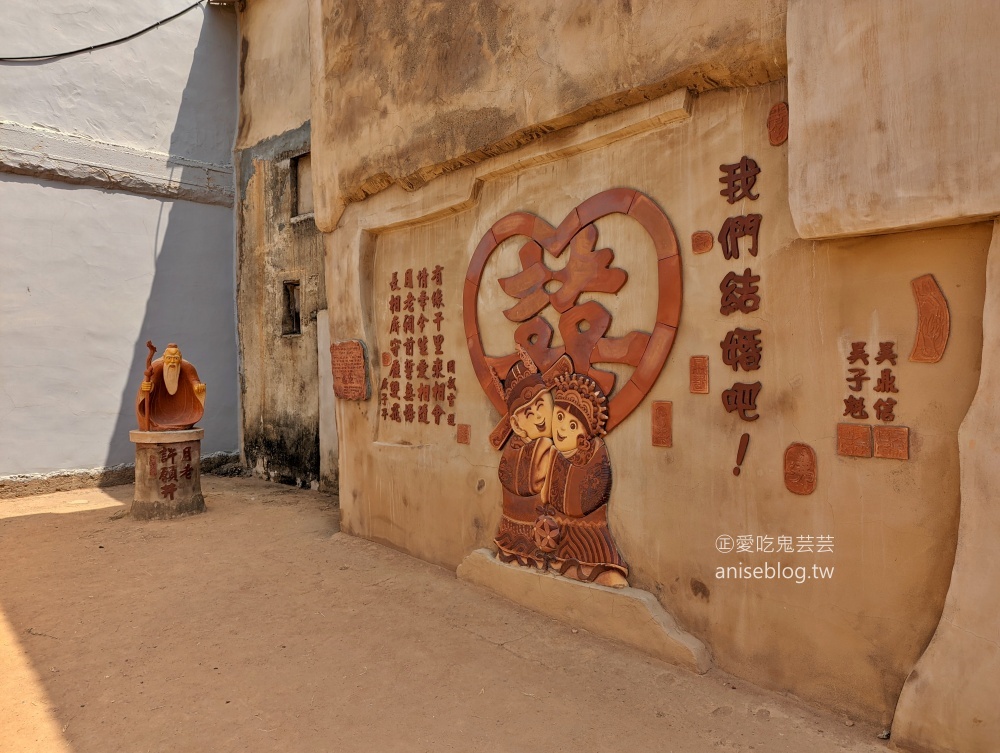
{"points": [[167, 474]]}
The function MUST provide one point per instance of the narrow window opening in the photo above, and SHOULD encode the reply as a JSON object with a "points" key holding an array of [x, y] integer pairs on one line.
{"points": [[302, 195], [291, 321]]}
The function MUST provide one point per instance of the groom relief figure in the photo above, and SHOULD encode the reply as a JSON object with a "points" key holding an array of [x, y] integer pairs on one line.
{"points": [[524, 462]]}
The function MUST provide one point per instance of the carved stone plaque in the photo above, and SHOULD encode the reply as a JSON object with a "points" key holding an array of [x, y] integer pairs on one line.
{"points": [[777, 124], [464, 434], [702, 242], [663, 423], [933, 321], [699, 375], [892, 442], [800, 468], [350, 370], [854, 440]]}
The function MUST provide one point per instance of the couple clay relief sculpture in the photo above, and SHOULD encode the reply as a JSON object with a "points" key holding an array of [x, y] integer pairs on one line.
{"points": [[556, 475], [556, 404]]}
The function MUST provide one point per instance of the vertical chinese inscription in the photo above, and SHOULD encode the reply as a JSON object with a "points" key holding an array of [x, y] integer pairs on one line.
{"points": [[742, 348], [418, 378], [884, 382], [173, 468]]}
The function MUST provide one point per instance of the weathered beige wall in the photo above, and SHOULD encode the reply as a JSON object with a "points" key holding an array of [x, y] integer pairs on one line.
{"points": [[275, 95], [893, 114], [279, 373], [279, 382], [949, 701], [405, 89], [847, 643]]}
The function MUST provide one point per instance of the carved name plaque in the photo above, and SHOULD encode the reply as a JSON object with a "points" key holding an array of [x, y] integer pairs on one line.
{"points": [[800, 468], [892, 442], [699, 375], [854, 440], [933, 321], [350, 370], [663, 423], [777, 124]]}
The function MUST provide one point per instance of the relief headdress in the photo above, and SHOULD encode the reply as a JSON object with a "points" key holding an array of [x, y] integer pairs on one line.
{"points": [[582, 397], [524, 383]]}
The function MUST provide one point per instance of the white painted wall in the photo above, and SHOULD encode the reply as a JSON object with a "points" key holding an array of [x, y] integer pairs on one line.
{"points": [[88, 277], [129, 94], [88, 274]]}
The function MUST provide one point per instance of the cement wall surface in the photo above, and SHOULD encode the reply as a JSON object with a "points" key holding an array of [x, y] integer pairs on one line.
{"points": [[894, 522], [87, 280], [405, 90], [275, 95], [115, 219], [894, 113], [129, 94], [279, 381]]}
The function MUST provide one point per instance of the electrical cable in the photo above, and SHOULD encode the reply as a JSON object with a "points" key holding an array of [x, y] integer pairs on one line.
{"points": [[102, 45]]}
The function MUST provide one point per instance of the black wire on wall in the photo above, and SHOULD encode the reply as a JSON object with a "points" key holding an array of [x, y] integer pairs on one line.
{"points": [[102, 45]]}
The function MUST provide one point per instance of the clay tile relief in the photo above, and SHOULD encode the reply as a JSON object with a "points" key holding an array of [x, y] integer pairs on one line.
{"points": [[557, 404]]}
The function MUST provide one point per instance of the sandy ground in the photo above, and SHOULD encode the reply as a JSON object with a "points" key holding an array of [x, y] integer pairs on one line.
{"points": [[258, 627]]}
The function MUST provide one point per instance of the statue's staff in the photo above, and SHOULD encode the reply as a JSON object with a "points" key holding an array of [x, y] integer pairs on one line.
{"points": [[147, 379]]}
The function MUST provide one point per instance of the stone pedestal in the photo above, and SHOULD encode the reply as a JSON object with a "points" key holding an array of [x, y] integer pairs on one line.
{"points": [[167, 473]]}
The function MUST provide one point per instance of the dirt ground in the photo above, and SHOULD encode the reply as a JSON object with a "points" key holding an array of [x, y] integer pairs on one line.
{"points": [[259, 627]]}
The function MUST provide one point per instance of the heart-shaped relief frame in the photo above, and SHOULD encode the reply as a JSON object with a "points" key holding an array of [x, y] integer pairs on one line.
{"points": [[655, 347]]}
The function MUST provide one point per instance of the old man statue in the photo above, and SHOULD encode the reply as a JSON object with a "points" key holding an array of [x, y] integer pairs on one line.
{"points": [[171, 397]]}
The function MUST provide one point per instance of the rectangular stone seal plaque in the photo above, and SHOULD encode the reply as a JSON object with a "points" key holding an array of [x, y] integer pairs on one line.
{"points": [[464, 434], [350, 370], [892, 442], [854, 440], [663, 423], [699, 375]]}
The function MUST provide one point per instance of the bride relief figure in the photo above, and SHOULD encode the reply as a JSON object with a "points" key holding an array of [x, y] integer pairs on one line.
{"points": [[578, 486]]}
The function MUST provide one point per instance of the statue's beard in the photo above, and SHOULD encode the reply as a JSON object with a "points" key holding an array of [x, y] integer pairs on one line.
{"points": [[171, 377]]}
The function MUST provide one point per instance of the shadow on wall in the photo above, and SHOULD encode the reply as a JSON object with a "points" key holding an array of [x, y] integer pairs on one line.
{"points": [[192, 297]]}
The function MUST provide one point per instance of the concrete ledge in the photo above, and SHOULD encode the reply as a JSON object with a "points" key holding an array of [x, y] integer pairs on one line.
{"points": [[628, 615], [52, 155]]}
